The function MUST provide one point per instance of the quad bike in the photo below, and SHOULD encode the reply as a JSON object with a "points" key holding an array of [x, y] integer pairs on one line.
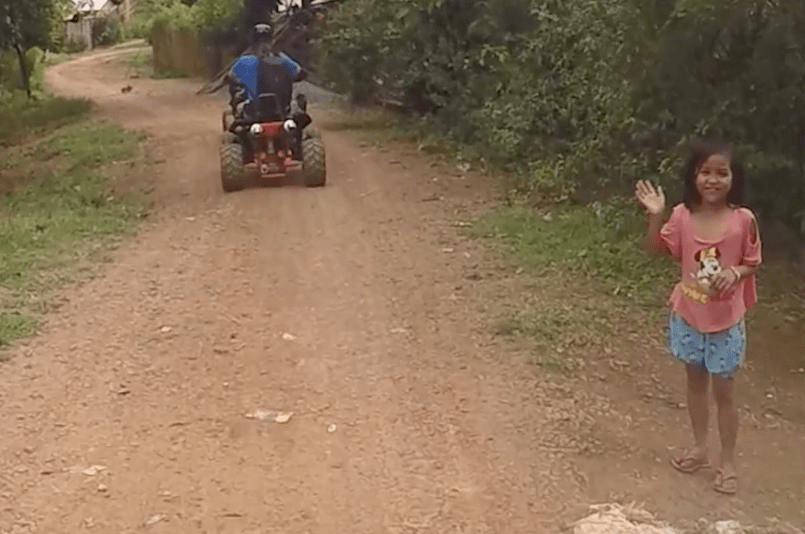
{"points": [[271, 148]]}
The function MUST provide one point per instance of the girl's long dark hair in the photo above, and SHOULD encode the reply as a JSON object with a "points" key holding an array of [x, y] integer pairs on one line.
{"points": [[700, 152]]}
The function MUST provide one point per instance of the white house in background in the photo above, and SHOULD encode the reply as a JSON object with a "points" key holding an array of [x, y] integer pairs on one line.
{"points": [[94, 7], [78, 24], [283, 5], [122, 8]]}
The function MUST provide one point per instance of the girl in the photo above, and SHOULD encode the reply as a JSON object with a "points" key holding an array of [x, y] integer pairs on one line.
{"points": [[718, 245]]}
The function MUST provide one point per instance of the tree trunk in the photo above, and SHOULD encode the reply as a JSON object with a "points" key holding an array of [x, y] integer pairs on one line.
{"points": [[26, 79]]}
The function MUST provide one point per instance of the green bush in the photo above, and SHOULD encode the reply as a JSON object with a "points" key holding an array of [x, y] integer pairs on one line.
{"points": [[203, 15], [173, 14], [11, 76], [591, 95], [9, 70], [74, 46], [106, 31], [137, 28], [213, 15]]}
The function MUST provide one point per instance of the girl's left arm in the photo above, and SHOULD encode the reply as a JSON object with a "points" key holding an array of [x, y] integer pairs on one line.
{"points": [[745, 270], [751, 247], [750, 258]]}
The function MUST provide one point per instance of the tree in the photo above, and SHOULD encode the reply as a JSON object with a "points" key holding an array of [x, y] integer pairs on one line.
{"points": [[591, 95], [24, 24]]}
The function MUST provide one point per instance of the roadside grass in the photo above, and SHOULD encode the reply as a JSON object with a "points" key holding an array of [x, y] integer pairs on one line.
{"points": [[602, 245], [22, 119], [597, 279], [599, 286], [376, 126], [597, 241], [365, 120], [63, 205], [557, 339], [134, 42], [55, 58], [139, 63]]}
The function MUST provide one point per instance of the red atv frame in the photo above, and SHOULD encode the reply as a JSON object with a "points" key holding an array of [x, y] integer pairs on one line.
{"points": [[265, 150]]}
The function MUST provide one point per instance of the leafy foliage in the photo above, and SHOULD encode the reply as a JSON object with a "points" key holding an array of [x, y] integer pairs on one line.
{"points": [[174, 14], [24, 22], [583, 97], [106, 31], [211, 15], [208, 16]]}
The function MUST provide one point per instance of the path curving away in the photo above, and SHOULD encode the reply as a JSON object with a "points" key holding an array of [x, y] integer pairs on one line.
{"points": [[405, 417]]}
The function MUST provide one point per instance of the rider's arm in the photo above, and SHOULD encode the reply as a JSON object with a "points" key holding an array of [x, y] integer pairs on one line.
{"points": [[238, 94], [297, 72]]}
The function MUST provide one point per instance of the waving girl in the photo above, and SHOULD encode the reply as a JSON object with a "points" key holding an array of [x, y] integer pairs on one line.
{"points": [[717, 243]]}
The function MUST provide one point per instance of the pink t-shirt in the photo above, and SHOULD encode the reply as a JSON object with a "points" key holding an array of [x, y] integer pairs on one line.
{"points": [[692, 298]]}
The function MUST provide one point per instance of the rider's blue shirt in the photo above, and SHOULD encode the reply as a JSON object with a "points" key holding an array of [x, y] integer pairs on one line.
{"points": [[245, 70]]}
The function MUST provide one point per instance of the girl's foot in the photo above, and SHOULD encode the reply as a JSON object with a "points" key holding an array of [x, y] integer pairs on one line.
{"points": [[690, 462], [726, 481]]}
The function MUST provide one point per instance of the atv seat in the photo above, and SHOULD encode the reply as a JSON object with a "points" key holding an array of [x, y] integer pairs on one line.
{"points": [[274, 87], [268, 108]]}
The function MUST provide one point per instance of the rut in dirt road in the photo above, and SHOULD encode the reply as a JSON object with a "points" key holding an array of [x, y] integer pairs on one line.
{"points": [[404, 418]]}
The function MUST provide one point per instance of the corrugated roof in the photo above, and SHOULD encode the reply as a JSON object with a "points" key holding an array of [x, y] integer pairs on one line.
{"points": [[298, 3], [89, 5]]}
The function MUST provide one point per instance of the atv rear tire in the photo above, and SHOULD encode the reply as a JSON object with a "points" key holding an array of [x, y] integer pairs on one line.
{"points": [[233, 171], [313, 164]]}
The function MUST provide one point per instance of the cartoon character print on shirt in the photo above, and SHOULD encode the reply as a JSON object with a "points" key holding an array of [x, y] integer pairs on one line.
{"points": [[709, 266], [700, 287]]}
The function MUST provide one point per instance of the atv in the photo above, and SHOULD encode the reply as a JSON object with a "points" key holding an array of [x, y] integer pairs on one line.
{"points": [[271, 147]]}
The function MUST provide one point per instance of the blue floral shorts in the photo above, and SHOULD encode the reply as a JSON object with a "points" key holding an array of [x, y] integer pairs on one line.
{"points": [[721, 353]]}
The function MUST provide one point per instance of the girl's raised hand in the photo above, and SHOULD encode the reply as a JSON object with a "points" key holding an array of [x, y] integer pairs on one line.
{"points": [[653, 200]]}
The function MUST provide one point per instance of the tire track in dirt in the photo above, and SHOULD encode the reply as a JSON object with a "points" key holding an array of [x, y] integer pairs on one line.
{"points": [[149, 369]]}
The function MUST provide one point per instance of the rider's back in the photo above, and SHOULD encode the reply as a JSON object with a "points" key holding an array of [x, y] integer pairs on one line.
{"points": [[261, 75], [273, 77]]}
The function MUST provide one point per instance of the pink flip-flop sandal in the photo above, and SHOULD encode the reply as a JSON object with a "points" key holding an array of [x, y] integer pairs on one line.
{"points": [[689, 464], [727, 485]]}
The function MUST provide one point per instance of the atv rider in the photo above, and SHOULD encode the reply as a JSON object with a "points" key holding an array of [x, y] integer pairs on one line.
{"points": [[261, 70]]}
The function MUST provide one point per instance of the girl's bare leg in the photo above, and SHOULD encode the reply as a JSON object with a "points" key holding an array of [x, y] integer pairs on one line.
{"points": [[724, 393], [698, 407], [699, 410]]}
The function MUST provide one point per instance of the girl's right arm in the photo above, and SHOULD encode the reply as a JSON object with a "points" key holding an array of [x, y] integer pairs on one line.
{"points": [[653, 201], [652, 242]]}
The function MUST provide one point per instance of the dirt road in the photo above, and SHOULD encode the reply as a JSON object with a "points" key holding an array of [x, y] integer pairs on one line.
{"points": [[404, 419], [360, 309]]}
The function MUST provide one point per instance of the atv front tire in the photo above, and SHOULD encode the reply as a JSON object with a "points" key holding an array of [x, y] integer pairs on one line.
{"points": [[233, 171], [228, 119], [313, 164], [311, 131]]}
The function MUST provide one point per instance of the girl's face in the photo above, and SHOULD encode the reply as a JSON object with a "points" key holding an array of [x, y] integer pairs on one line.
{"points": [[714, 179]]}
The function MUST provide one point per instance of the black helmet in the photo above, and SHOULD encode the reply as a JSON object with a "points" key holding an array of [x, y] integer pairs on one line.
{"points": [[262, 33]]}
